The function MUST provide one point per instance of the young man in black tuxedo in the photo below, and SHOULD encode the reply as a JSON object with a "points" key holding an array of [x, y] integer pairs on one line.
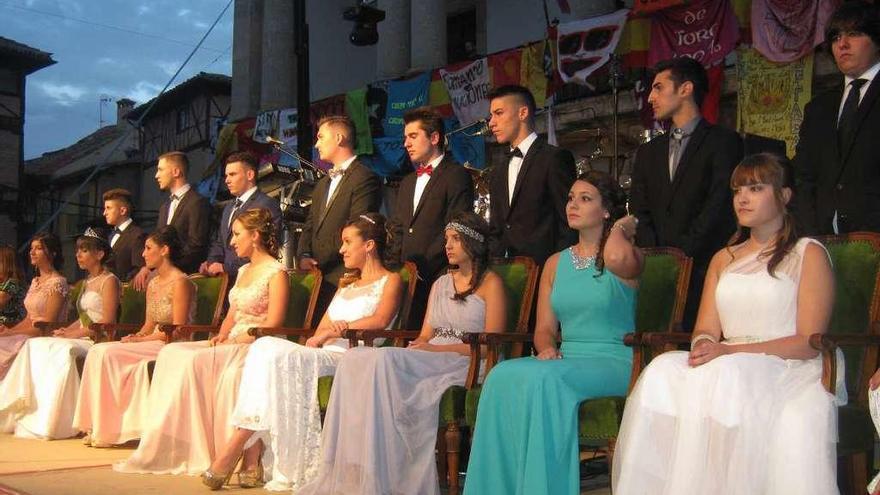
{"points": [[349, 189], [426, 201], [836, 161], [681, 180], [126, 240], [241, 180], [185, 210], [529, 188]]}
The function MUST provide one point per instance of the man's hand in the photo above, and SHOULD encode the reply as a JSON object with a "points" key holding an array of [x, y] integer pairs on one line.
{"points": [[213, 269], [306, 263]]}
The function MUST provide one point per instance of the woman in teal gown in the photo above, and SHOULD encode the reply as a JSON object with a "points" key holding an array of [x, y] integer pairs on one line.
{"points": [[526, 436]]}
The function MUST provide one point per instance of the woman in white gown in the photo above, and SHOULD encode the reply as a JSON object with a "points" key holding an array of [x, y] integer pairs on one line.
{"points": [[380, 430], [112, 403], [277, 403], [744, 412], [39, 393]]}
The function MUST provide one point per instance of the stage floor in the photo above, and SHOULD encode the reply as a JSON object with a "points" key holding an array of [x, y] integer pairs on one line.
{"points": [[66, 467]]}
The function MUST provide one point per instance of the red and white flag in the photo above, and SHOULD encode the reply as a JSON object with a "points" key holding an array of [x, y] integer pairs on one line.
{"points": [[586, 45]]}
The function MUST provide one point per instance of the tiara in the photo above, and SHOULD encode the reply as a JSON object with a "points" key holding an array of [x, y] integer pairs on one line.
{"points": [[464, 229], [364, 217], [90, 232]]}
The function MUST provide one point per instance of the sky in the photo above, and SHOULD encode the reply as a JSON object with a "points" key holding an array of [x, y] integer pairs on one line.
{"points": [[108, 49]]}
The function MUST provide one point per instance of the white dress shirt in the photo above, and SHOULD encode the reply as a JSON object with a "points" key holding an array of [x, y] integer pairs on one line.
{"points": [[334, 182], [178, 193], [868, 74], [515, 164], [422, 182], [118, 231], [243, 199]]}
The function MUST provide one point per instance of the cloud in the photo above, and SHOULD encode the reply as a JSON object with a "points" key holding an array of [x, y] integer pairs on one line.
{"points": [[201, 25], [144, 9], [143, 91], [183, 12], [63, 94], [169, 68], [106, 61]]}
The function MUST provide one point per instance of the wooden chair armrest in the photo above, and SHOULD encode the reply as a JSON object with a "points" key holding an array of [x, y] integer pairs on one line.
{"points": [[633, 339], [108, 331], [664, 338], [495, 338], [47, 327], [176, 333], [275, 331], [400, 336], [824, 341]]}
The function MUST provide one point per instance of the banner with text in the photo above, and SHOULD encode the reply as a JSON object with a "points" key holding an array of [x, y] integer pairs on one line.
{"points": [[705, 30], [402, 96], [467, 89]]}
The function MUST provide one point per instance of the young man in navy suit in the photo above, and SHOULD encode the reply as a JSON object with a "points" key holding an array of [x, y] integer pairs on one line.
{"points": [[241, 180]]}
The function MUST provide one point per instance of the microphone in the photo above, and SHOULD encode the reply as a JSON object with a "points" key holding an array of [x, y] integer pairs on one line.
{"points": [[482, 126], [272, 140]]}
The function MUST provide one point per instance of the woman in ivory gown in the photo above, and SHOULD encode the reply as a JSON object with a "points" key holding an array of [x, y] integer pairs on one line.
{"points": [[744, 412], [46, 299], [525, 438], [39, 392], [277, 405], [380, 430], [112, 405], [195, 383]]}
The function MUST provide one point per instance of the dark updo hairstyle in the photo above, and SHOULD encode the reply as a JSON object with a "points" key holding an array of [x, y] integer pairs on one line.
{"points": [[370, 227], [613, 200], [95, 244], [52, 247], [167, 236], [776, 172], [9, 267], [260, 220], [477, 250]]}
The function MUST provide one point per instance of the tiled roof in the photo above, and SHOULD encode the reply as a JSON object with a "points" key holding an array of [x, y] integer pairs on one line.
{"points": [[19, 55], [193, 86], [93, 144]]}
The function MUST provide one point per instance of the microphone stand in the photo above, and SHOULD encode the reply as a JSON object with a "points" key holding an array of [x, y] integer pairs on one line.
{"points": [[280, 146], [614, 78]]}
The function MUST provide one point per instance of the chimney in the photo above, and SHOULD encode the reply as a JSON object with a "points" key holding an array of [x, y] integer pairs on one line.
{"points": [[123, 106]]}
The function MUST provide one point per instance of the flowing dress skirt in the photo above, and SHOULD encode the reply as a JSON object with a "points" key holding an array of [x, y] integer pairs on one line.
{"points": [[381, 425], [113, 403], [742, 424], [9, 347], [278, 399], [39, 393], [191, 399]]}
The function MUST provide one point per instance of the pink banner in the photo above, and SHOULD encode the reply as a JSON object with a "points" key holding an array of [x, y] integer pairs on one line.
{"points": [[705, 30], [785, 30]]}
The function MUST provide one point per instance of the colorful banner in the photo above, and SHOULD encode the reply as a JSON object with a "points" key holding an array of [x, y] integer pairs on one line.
{"points": [[267, 125], [505, 67], [356, 108], [771, 97], [635, 41], [647, 7], [465, 148], [586, 45], [705, 30], [402, 96], [389, 157], [786, 31], [467, 89], [532, 75]]}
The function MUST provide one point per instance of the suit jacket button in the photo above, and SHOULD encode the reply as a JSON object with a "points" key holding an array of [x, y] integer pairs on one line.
{"points": [[410, 230], [839, 187], [507, 226]]}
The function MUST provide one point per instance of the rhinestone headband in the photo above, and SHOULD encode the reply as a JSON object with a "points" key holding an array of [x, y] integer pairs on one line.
{"points": [[464, 229], [90, 232], [364, 217]]}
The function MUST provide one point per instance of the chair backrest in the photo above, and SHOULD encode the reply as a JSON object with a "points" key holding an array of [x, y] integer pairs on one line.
{"points": [[210, 293], [133, 305], [409, 274], [520, 278], [663, 289], [304, 288], [856, 261], [72, 296]]}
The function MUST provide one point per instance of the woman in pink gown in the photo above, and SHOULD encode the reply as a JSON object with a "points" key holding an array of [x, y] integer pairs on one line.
{"points": [[39, 392], [195, 384], [46, 299], [112, 403]]}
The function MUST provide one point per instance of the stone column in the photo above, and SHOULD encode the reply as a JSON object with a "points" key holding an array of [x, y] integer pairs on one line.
{"points": [[278, 85], [393, 48], [247, 47], [428, 28]]}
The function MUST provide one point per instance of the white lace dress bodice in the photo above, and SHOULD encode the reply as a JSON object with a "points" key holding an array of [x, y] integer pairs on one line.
{"points": [[351, 303], [90, 300]]}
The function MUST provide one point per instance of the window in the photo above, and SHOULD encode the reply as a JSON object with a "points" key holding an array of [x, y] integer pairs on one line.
{"points": [[182, 120], [461, 36]]}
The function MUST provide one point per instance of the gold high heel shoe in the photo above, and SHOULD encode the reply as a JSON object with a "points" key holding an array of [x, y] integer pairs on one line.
{"points": [[215, 481], [252, 478]]}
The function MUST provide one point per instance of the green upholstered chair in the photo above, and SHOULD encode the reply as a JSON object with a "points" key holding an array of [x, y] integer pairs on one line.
{"points": [[520, 277], [663, 290], [855, 328]]}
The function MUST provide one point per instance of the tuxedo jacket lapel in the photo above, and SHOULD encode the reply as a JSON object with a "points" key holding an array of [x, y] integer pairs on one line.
{"points": [[864, 108], [527, 162], [336, 191]]}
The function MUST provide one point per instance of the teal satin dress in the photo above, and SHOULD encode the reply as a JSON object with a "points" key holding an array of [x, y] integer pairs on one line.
{"points": [[526, 438]]}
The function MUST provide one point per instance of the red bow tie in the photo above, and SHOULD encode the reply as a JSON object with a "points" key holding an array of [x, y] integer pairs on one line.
{"points": [[424, 169]]}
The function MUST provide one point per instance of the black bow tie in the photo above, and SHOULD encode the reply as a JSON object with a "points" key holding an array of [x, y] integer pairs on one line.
{"points": [[513, 152], [174, 197], [237, 204]]}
